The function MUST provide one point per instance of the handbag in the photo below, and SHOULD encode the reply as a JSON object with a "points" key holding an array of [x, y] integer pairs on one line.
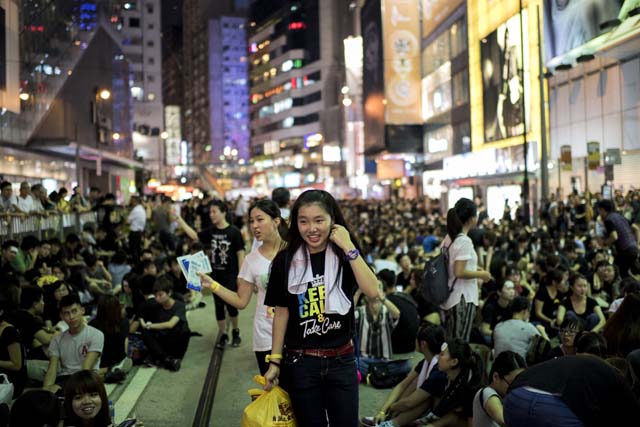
{"points": [[6, 389], [388, 373]]}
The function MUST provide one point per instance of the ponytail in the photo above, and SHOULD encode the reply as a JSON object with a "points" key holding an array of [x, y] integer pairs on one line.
{"points": [[283, 229], [454, 225], [457, 216]]}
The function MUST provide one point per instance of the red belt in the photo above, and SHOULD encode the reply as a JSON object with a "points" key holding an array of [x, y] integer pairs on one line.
{"points": [[325, 352]]}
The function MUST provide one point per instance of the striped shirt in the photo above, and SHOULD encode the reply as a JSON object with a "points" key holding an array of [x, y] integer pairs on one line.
{"points": [[374, 335]]}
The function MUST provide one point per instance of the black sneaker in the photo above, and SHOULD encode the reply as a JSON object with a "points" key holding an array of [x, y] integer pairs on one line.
{"points": [[222, 342], [235, 342], [114, 376], [172, 364]]}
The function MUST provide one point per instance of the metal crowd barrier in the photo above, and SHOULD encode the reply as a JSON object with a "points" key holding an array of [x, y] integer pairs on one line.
{"points": [[53, 225]]}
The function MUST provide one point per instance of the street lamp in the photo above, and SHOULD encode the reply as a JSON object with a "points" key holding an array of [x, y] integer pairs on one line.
{"points": [[164, 134], [105, 94]]}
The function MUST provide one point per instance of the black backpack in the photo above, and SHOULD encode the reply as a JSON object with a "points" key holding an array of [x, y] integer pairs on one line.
{"points": [[435, 281]]}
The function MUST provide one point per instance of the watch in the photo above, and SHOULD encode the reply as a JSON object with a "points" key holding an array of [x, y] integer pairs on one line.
{"points": [[352, 255]]}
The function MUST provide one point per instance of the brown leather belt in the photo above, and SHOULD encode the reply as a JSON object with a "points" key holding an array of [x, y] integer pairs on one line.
{"points": [[325, 352]]}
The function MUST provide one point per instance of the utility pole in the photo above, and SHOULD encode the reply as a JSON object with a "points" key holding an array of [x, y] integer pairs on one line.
{"points": [[544, 157]]}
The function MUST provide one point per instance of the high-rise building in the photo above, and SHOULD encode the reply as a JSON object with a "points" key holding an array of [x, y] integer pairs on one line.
{"points": [[172, 52], [229, 89], [142, 44], [296, 73], [216, 89]]}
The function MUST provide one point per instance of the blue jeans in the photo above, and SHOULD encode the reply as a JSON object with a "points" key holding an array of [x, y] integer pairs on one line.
{"points": [[591, 322], [524, 408], [323, 390]]}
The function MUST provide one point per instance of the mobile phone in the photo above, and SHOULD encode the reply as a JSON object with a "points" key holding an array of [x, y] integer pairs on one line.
{"points": [[131, 422]]}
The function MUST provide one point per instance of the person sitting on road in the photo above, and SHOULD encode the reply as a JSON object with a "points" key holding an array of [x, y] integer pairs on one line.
{"points": [[418, 392], [165, 329], [85, 401], [36, 408], [77, 348]]}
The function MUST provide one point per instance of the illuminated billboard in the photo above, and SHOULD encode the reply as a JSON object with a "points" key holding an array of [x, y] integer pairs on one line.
{"points": [[569, 24], [402, 75], [373, 77], [436, 11], [504, 83], [495, 84]]}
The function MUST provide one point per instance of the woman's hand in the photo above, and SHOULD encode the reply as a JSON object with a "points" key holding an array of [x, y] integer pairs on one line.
{"points": [[380, 417], [272, 375], [207, 282], [340, 236], [484, 275]]}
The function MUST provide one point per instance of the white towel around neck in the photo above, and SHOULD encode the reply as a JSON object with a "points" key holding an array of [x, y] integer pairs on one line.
{"points": [[300, 274]]}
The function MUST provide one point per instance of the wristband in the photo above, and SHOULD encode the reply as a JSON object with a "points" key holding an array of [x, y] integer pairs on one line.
{"points": [[352, 255], [271, 362], [269, 357], [215, 286]]}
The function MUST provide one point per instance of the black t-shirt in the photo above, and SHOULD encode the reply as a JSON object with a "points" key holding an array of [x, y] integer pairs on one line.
{"points": [[203, 212], [223, 246], [179, 283], [9, 336], [403, 337], [147, 309], [161, 315], [309, 326], [113, 350], [591, 305], [550, 305], [27, 324], [592, 389], [493, 313]]}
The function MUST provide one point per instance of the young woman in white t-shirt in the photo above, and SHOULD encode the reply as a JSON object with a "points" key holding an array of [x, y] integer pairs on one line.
{"points": [[464, 273], [267, 227]]}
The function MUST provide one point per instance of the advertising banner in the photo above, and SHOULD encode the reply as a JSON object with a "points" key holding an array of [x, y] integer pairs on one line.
{"points": [[174, 135], [569, 24], [565, 157], [402, 75], [503, 80], [593, 155], [436, 11], [373, 77]]}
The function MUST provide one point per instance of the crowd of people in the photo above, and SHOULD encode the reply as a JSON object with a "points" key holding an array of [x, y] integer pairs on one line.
{"points": [[340, 293]]}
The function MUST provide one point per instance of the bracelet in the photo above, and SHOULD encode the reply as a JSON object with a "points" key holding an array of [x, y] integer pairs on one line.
{"points": [[271, 362], [269, 357]]}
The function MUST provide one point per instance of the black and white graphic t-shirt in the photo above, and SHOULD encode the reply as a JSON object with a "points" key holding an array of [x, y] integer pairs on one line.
{"points": [[223, 246], [309, 326]]}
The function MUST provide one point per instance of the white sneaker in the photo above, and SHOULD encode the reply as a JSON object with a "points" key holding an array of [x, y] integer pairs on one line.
{"points": [[388, 423]]}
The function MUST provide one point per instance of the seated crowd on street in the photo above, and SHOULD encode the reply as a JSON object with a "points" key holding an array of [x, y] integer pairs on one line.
{"points": [[530, 309]]}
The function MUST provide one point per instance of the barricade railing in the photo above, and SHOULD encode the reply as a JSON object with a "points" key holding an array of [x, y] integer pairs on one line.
{"points": [[54, 224]]}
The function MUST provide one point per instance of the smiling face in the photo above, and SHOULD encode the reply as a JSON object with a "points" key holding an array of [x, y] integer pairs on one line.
{"points": [[262, 225], [87, 405], [314, 225]]}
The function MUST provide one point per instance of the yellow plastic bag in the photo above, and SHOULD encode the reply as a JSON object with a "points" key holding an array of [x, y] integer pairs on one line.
{"points": [[270, 409]]}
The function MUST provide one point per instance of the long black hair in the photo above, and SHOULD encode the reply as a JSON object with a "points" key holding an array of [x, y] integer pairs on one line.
{"points": [[329, 205], [271, 208], [458, 215]]}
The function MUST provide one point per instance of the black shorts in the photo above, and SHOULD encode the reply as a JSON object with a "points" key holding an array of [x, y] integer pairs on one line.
{"points": [[220, 304]]}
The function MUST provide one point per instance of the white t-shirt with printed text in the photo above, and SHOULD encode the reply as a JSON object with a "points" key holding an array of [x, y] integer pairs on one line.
{"points": [[73, 349], [255, 270]]}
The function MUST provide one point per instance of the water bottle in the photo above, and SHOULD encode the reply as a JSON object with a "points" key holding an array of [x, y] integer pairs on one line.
{"points": [[112, 411]]}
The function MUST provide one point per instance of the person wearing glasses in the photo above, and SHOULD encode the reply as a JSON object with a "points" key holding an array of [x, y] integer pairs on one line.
{"points": [[487, 403]]}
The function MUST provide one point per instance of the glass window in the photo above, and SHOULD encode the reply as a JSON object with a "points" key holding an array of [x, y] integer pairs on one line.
{"points": [[458, 37], [436, 54], [461, 89], [134, 22]]}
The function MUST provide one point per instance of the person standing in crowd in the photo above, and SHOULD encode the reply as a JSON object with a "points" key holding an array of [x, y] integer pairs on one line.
{"points": [[580, 390], [269, 229], [619, 231], [137, 221], [282, 197], [225, 245], [24, 200], [8, 203], [311, 286], [460, 307]]}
